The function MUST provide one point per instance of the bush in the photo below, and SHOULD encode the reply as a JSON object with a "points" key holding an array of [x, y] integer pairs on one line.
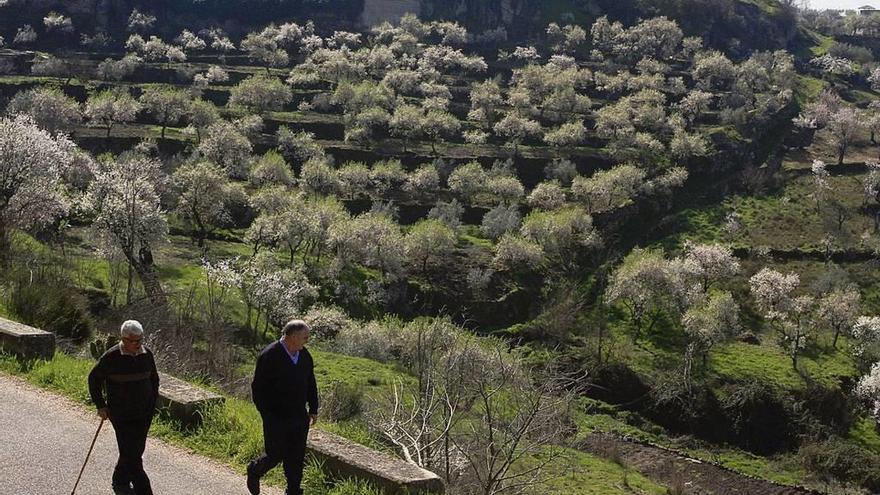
{"points": [[342, 401], [371, 340], [326, 322], [758, 417], [50, 305], [837, 459], [855, 53]]}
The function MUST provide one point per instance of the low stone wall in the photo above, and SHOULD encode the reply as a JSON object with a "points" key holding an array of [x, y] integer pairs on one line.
{"points": [[345, 459], [24, 341], [184, 402]]}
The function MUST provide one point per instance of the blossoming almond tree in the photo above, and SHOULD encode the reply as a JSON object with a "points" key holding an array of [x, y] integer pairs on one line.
{"points": [[124, 200], [31, 166]]}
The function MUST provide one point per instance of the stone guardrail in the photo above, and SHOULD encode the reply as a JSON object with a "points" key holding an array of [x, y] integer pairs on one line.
{"points": [[183, 401], [25, 341], [343, 458]]}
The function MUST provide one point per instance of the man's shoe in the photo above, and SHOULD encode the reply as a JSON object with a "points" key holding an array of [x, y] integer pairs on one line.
{"points": [[253, 484], [123, 490]]}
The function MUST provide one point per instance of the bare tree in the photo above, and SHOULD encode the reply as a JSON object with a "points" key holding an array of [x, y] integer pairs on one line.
{"points": [[475, 414]]}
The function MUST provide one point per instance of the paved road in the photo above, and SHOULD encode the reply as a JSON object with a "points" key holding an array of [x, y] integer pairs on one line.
{"points": [[44, 438]]}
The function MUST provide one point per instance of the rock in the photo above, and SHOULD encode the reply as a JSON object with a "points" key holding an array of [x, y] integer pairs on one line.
{"points": [[183, 401], [27, 342]]}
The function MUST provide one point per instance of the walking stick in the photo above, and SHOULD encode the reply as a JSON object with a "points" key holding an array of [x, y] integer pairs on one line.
{"points": [[92, 446]]}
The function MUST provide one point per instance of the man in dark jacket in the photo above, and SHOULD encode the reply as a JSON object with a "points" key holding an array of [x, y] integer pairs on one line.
{"points": [[124, 385], [284, 382]]}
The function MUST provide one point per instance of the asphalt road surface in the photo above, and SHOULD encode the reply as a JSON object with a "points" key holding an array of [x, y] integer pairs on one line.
{"points": [[44, 439]]}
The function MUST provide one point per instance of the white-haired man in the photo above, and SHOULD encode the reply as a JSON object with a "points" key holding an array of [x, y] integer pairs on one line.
{"points": [[286, 394], [124, 386]]}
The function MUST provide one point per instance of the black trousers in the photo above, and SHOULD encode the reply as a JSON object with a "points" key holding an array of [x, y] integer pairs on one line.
{"points": [[285, 442], [131, 438]]}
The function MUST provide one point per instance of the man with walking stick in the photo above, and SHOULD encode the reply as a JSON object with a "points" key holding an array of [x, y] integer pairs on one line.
{"points": [[124, 386], [284, 382]]}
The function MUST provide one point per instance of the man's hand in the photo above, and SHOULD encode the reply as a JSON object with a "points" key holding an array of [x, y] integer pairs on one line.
{"points": [[313, 418], [102, 413]]}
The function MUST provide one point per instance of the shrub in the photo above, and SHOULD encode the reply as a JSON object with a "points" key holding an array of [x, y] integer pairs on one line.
{"points": [[837, 459], [371, 341], [342, 401], [326, 322], [51, 305], [758, 416]]}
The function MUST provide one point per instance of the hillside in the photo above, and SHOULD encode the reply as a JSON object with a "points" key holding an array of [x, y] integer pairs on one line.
{"points": [[625, 237]]}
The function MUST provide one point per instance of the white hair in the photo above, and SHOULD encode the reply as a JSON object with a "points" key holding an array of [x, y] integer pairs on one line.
{"points": [[131, 327]]}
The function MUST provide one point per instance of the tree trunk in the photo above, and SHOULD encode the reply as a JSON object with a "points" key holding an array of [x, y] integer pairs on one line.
{"points": [[146, 271], [128, 287], [4, 245]]}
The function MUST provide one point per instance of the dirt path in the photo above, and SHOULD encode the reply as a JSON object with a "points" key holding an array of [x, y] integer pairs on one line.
{"points": [[696, 477]]}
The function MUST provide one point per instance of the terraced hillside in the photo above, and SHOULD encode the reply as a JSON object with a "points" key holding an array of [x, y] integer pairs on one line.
{"points": [[611, 228]]}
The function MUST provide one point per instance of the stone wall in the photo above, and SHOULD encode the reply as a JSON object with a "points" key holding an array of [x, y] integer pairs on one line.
{"points": [[343, 458], [27, 342]]}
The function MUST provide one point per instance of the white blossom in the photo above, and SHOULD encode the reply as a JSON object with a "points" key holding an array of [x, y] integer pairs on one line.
{"points": [[31, 165]]}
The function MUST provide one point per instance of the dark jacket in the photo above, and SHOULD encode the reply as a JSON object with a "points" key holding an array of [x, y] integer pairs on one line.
{"points": [[281, 389], [127, 385]]}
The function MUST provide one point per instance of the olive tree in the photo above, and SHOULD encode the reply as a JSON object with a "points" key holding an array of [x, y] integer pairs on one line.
{"points": [[562, 233], [439, 126], [500, 220], [271, 169], [710, 323], [641, 285], [516, 128], [608, 189], [568, 134], [407, 122]]}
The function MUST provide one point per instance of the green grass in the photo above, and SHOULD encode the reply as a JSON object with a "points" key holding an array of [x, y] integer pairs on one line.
{"points": [[356, 371], [585, 474], [787, 219], [738, 361], [809, 88], [773, 469], [864, 432]]}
